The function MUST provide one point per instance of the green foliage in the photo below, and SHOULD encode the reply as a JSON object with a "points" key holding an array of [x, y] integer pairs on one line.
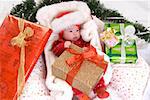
{"points": [[27, 10]]}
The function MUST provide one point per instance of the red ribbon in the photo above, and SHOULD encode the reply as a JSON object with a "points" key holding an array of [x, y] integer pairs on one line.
{"points": [[78, 58]]}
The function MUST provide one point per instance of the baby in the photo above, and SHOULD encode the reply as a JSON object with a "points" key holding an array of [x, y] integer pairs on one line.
{"points": [[72, 35], [66, 37]]}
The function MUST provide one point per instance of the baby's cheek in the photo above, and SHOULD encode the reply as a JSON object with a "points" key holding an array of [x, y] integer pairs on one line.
{"points": [[68, 35]]}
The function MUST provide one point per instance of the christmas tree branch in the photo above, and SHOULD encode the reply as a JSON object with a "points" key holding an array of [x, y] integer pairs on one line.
{"points": [[27, 10]]}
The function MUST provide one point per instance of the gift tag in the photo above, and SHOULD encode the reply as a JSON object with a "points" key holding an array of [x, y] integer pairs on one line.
{"points": [[109, 37]]}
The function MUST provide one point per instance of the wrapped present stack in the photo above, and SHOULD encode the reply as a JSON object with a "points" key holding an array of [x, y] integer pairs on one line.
{"points": [[124, 48], [21, 44]]}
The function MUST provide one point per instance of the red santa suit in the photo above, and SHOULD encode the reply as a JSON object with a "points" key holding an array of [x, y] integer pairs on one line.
{"points": [[58, 46]]}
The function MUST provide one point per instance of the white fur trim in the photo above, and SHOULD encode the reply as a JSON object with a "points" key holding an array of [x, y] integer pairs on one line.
{"points": [[63, 90], [100, 24], [89, 33], [108, 74], [86, 31], [50, 41]]}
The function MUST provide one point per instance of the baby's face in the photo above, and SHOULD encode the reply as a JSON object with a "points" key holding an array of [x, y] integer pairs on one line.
{"points": [[72, 33]]}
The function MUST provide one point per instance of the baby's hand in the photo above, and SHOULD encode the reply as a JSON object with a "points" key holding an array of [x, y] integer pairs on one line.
{"points": [[85, 48], [67, 44]]}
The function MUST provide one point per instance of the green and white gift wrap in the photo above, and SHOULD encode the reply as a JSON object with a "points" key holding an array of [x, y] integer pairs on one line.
{"points": [[125, 51]]}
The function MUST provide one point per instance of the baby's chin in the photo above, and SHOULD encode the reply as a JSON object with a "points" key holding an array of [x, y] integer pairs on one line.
{"points": [[75, 38]]}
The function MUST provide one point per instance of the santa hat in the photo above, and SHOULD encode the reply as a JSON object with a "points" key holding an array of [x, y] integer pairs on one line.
{"points": [[62, 15]]}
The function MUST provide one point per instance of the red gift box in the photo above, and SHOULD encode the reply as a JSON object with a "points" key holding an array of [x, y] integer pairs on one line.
{"points": [[21, 44]]}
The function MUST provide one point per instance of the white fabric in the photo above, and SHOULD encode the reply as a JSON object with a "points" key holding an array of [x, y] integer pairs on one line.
{"points": [[35, 86], [130, 80]]}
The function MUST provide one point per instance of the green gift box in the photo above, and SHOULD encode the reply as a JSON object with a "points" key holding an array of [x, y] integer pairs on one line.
{"points": [[121, 53]]}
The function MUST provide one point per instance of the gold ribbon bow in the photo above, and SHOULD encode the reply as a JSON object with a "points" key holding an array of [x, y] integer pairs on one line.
{"points": [[108, 34], [21, 43], [78, 58]]}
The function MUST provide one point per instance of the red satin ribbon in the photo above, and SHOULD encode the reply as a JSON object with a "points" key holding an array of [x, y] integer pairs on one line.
{"points": [[78, 58]]}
